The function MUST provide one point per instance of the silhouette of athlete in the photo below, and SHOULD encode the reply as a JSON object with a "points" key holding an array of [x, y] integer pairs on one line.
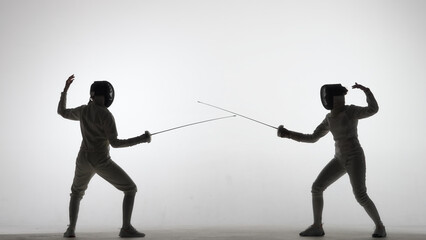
{"points": [[349, 156], [98, 130]]}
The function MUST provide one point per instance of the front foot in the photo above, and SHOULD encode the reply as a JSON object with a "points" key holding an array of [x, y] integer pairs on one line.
{"points": [[130, 232], [380, 232], [70, 233], [313, 231]]}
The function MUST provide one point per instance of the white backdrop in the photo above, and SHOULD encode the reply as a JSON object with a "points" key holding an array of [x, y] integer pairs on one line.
{"points": [[263, 59]]}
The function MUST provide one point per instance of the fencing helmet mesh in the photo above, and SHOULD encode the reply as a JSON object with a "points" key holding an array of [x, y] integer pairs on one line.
{"points": [[328, 92], [103, 88]]}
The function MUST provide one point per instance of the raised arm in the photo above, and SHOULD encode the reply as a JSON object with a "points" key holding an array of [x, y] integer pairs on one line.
{"points": [[68, 83], [72, 114], [318, 133], [363, 112]]}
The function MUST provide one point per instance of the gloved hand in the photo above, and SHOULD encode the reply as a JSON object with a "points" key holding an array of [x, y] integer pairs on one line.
{"points": [[282, 132], [146, 137], [68, 83], [359, 86]]}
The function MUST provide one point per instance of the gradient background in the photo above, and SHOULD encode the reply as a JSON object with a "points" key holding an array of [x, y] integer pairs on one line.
{"points": [[263, 59]]}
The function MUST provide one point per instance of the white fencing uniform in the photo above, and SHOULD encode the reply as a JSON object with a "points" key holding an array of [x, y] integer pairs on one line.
{"points": [[349, 155], [98, 130]]}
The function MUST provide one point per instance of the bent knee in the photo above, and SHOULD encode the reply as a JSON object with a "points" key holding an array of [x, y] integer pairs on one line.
{"points": [[317, 189], [131, 190], [77, 195], [362, 197]]}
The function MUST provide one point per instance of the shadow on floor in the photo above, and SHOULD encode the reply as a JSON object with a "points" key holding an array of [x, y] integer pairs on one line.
{"points": [[256, 233]]}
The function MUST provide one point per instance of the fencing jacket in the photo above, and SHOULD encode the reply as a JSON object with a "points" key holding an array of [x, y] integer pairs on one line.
{"points": [[97, 126], [342, 124]]}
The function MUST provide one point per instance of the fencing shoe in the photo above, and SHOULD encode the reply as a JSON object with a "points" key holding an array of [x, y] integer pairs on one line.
{"points": [[130, 232], [380, 232], [70, 233], [313, 231]]}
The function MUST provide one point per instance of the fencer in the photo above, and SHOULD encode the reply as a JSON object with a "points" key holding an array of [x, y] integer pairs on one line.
{"points": [[98, 130], [341, 121]]}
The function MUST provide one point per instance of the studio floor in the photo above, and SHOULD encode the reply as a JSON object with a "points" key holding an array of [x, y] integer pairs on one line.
{"points": [[257, 233]]}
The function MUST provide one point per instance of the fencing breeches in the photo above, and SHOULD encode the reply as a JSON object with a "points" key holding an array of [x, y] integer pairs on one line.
{"points": [[354, 165]]}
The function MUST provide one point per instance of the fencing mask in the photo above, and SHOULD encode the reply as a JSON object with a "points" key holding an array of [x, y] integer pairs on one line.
{"points": [[103, 88], [328, 92]]}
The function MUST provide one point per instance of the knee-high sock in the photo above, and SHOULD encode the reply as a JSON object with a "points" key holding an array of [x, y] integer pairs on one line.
{"points": [[317, 206], [73, 210], [128, 202], [371, 209]]}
